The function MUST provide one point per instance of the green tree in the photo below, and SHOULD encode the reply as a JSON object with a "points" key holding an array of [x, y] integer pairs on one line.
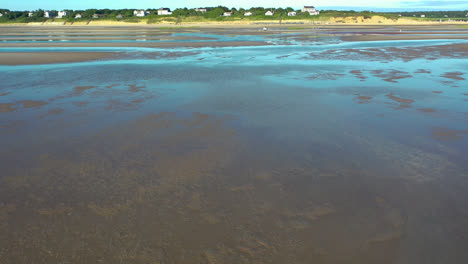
{"points": [[215, 12]]}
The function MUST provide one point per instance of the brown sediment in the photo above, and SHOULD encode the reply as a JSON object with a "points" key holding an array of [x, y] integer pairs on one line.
{"points": [[437, 92], [118, 105], [427, 110], [80, 104], [3, 94], [112, 85], [422, 71], [400, 100], [80, 89], [446, 134], [166, 54], [6, 107], [392, 75], [392, 53], [453, 76], [31, 103], [29, 58], [55, 111], [358, 74], [188, 44], [135, 88], [363, 99], [325, 76]]}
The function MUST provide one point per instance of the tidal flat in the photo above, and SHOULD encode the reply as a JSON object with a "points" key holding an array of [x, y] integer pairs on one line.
{"points": [[330, 144]]}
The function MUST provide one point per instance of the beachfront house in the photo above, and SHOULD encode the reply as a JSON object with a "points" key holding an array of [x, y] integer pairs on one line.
{"points": [[248, 14], [139, 13], [292, 13], [423, 16], [78, 16], [96, 16], [49, 14], [62, 14], [30, 14], [1, 14], [202, 10], [164, 11], [119, 16], [268, 13], [227, 14], [311, 10]]}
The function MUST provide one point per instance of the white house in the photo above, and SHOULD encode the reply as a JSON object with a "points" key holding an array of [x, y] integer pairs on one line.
{"points": [[119, 16], [30, 14], [1, 14], [202, 10], [62, 14], [139, 13], [49, 14], [311, 10], [78, 16], [96, 15], [423, 15], [268, 13], [248, 14], [227, 14], [292, 13], [164, 11]]}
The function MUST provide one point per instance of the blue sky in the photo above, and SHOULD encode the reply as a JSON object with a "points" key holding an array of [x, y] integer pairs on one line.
{"points": [[320, 4]]}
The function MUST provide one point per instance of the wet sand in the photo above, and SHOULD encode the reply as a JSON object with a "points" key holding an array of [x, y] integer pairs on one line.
{"points": [[142, 44], [398, 37], [29, 58], [259, 155]]}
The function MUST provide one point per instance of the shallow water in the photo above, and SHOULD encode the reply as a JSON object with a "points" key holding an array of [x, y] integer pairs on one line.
{"points": [[323, 152]]}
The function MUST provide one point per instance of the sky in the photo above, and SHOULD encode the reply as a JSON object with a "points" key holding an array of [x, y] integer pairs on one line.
{"points": [[379, 5]]}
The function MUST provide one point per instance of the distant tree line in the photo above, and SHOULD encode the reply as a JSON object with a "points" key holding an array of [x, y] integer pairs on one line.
{"points": [[214, 13], [435, 14]]}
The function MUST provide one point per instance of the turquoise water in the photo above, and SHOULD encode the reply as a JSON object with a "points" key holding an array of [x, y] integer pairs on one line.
{"points": [[273, 154]]}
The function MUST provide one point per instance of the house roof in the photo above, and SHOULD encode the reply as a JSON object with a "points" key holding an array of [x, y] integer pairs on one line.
{"points": [[309, 6]]}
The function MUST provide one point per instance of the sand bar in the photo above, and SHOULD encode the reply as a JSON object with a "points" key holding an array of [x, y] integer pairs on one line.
{"points": [[200, 44], [29, 58]]}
